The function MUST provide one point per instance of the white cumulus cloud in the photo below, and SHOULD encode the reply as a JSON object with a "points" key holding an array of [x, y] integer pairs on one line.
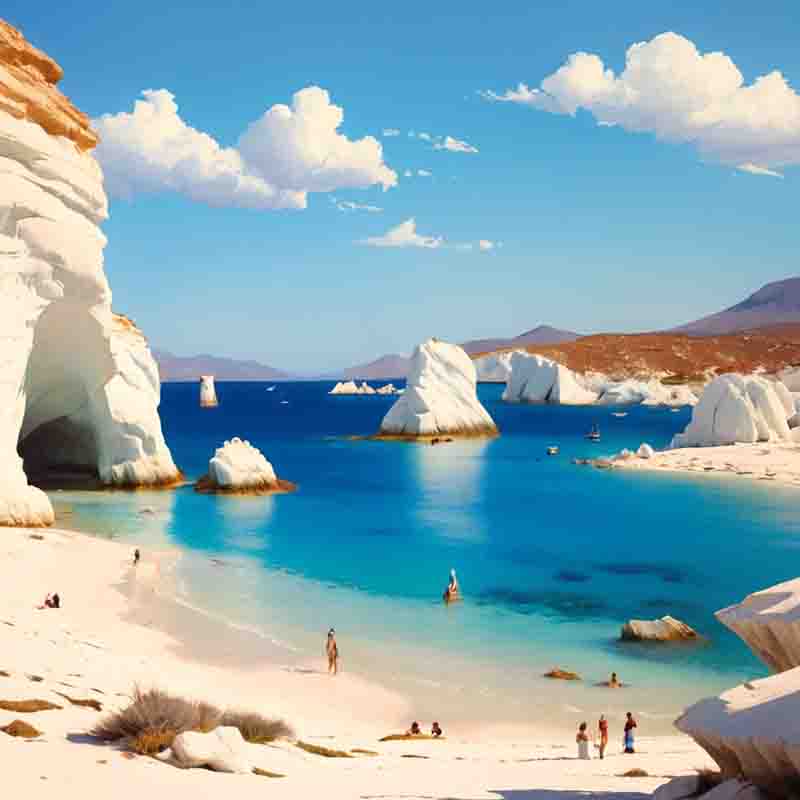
{"points": [[454, 145], [403, 235], [281, 157], [670, 89]]}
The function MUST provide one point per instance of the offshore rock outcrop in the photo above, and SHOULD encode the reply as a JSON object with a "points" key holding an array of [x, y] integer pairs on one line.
{"points": [[80, 389], [240, 468], [440, 397]]}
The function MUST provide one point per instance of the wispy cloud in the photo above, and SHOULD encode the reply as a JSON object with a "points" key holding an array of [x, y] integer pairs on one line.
{"points": [[349, 205], [281, 157], [389, 132], [754, 169], [455, 145], [424, 173], [672, 90], [403, 235]]}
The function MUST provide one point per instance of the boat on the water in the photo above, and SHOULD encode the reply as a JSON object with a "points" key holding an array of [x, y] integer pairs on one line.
{"points": [[619, 413], [594, 434], [552, 451]]}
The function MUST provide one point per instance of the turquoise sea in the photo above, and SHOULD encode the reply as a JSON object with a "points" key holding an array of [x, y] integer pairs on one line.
{"points": [[552, 557]]}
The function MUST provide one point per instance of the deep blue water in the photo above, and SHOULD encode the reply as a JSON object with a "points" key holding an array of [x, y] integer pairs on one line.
{"points": [[552, 557]]}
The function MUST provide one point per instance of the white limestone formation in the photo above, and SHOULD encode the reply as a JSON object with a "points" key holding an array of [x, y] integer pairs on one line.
{"points": [[208, 392], [238, 466], [495, 367], [440, 397], [737, 408], [221, 750], [536, 379], [79, 388], [353, 388]]}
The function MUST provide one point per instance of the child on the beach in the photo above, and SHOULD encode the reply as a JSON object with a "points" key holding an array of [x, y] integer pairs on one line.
{"points": [[582, 738], [436, 730]]}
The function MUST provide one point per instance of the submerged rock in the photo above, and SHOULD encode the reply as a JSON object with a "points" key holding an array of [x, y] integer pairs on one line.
{"points": [[239, 468], [440, 398], [666, 629]]}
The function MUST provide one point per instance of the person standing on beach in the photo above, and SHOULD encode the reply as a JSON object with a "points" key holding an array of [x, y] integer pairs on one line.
{"points": [[582, 738], [603, 727], [630, 724], [332, 651]]}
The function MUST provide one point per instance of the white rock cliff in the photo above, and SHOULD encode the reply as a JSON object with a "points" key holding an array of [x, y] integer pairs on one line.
{"points": [[79, 389], [536, 379], [440, 397]]}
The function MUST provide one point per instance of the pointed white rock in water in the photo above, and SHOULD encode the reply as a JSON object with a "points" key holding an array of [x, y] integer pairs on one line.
{"points": [[440, 396], [536, 379], [769, 622], [80, 387], [737, 408], [208, 392]]}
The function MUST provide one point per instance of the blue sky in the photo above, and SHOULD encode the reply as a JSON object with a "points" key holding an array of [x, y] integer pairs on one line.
{"points": [[592, 226]]}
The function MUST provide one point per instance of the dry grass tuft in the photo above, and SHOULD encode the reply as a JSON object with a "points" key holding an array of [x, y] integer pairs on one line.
{"points": [[413, 755], [35, 678], [266, 773], [255, 727], [4, 674], [78, 701], [708, 779], [37, 536], [154, 711], [22, 729], [360, 751], [149, 743], [318, 750], [410, 737], [27, 706], [636, 772]]}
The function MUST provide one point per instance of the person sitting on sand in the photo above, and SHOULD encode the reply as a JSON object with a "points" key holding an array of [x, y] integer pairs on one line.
{"points": [[136, 556], [614, 682], [603, 728], [630, 724], [414, 730], [436, 730], [51, 601], [332, 651], [452, 592], [582, 738]]}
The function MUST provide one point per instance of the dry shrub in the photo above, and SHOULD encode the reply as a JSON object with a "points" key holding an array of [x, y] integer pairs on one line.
{"points": [[410, 737], [318, 750], [4, 674], [413, 755], [149, 743], [35, 678], [708, 779], [78, 701], [360, 751], [155, 711], [20, 728], [636, 772], [266, 773], [255, 727], [27, 706]]}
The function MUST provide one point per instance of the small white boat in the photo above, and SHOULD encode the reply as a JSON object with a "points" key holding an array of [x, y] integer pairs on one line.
{"points": [[675, 410], [284, 402], [271, 388], [619, 413], [594, 434], [552, 451]]}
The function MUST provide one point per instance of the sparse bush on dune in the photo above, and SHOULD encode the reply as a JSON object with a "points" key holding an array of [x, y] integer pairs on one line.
{"points": [[156, 711], [255, 727], [155, 717]]}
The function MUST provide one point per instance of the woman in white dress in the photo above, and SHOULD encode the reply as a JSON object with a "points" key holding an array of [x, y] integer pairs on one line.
{"points": [[582, 738]]}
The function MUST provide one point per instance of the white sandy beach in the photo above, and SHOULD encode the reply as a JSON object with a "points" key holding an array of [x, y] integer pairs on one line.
{"points": [[769, 461], [99, 644]]}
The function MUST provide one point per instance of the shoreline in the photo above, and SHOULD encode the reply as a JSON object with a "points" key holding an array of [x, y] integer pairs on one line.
{"points": [[115, 629], [773, 462]]}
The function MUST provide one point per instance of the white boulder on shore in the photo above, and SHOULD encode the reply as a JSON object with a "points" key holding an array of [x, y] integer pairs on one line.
{"points": [[238, 465], [208, 392], [536, 379], [440, 396], [80, 387], [221, 750], [739, 409]]}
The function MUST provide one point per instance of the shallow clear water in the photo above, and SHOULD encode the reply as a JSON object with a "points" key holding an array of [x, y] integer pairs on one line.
{"points": [[552, 557]]}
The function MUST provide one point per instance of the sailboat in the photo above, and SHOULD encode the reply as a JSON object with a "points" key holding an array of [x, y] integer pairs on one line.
{"points": [[594, 434]]}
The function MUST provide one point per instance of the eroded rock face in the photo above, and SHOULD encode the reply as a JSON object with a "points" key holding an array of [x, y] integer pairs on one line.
{"points": [[80, 388], [536, 379], [240, 468], [440, 398], [769, 622], [666, 629], [739, 408]]}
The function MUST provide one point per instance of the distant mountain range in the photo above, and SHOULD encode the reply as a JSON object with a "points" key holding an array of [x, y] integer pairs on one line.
{"points": [[774, 304], [190, 368]]}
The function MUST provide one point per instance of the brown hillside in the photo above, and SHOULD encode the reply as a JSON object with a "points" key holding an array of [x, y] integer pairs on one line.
{"points": [[672, 354]]}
